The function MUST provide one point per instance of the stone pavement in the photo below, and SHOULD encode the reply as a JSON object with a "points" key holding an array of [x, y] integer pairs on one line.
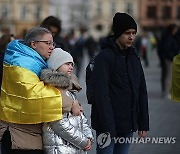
{"points": [[164, 115]]}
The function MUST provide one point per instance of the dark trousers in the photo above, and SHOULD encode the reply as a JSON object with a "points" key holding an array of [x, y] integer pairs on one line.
{"points": [[109, 146], [6, 146]]}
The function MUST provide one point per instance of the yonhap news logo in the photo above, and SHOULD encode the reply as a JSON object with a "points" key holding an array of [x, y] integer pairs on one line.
{"points": [[104, 140]]}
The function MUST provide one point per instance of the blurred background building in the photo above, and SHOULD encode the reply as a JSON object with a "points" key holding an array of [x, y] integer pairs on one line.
{"points": [[94, 15], [21, 15], [102, 12], [157, 14]]}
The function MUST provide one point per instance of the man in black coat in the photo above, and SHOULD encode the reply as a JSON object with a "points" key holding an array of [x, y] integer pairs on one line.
{"points": [[121, 104]]}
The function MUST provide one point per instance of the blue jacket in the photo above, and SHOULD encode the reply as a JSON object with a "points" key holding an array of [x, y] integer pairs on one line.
{"points": [[121, 103]]}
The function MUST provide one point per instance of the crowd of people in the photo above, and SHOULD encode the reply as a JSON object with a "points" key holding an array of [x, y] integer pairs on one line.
{"points": [[39, 110], [167, 47]]}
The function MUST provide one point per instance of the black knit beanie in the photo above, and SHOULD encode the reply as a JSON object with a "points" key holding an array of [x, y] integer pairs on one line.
{"points": [[122, 22]]}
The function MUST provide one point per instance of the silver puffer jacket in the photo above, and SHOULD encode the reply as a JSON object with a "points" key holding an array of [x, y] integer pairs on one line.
{"points": [[69, 135], [66, 136]]}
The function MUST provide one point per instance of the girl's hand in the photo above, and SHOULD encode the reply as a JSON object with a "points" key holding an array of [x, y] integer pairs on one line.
{"points": [[76, 109], [88, 146]]}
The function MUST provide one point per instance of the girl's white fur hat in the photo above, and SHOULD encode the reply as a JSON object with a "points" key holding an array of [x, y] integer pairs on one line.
{"points": [[59, 57]]}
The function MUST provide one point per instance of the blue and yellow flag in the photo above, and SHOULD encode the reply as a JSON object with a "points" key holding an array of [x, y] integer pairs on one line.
{"points": [[176, 79], [24, 98]]}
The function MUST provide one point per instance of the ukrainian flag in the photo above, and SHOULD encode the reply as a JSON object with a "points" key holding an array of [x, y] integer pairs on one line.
{"points": [[24, 98], [176, 79]]}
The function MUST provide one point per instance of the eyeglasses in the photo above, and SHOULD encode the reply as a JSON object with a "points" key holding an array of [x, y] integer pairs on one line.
{"points": [[53, 44]]}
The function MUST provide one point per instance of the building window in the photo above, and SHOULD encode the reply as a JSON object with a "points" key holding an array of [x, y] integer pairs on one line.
{"points": [[23, 12], [166, 12], [99, 27], [113, 8], [151, 12], [129, 8], [5, 11], [167, 0], [178, 12], [99, 8], [38, 12]]}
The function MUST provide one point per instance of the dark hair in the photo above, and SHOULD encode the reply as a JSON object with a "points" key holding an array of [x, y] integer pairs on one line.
{"points": [[4, 40], [35, 34], [51, 21], [171, 27]]}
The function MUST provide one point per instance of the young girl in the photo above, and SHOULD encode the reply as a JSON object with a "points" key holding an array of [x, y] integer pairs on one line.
{"points": [[71, 135]]}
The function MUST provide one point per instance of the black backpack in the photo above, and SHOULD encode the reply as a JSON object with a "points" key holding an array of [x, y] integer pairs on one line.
{"points": [[89, 87]]}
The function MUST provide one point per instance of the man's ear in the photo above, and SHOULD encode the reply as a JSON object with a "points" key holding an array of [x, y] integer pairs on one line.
{"points": [[33, 45]]}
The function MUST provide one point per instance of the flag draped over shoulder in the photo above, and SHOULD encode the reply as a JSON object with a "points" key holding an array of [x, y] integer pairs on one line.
{"points": [[176, 79], [24, 98]]}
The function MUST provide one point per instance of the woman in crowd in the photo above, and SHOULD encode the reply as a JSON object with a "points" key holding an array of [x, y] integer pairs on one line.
{"points": [[25, 101]]}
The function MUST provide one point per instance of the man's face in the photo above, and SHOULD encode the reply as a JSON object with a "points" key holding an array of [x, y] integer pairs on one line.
{"points": [[126, 39]]}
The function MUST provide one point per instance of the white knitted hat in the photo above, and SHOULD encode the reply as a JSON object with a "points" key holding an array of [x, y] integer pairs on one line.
{"points": [[59, 57]]}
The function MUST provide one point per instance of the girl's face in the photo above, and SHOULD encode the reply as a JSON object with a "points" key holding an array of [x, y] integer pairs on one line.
{"points": [[66, 68]]}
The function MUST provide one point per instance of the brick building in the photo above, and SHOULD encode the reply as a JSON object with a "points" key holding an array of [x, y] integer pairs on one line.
{"points": [[156, 14]]}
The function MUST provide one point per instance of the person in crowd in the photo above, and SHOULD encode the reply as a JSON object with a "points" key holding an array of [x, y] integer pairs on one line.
{"points": [[54, 25], [120, 105], [176, 79], [4, 40], [26, 102], [71, 40], [143, 49], [78, 51], [71, 134], [170, 49], [162, 60], [91, 46]]}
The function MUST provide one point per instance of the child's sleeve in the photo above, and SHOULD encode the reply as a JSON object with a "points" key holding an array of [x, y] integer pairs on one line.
{"points": [[67, 102], [68, 132], [86, 128]]}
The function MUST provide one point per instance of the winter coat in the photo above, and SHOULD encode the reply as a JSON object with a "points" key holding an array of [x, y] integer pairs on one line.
{"points": [[121, 103], [69, 135], [176, 79], [26, 137], [170, 47]]}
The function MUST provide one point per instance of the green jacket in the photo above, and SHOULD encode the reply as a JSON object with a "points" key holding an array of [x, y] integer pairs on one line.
{"points": [[176, 79]]}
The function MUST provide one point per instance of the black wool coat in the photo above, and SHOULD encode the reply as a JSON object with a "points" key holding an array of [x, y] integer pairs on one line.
{"points": [[121, 101]]}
